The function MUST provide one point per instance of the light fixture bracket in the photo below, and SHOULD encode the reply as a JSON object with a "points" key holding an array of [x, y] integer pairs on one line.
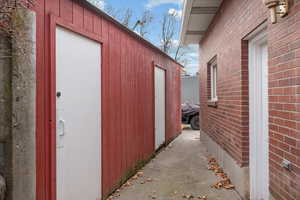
{"points": [[283, 8], [277, 7]]}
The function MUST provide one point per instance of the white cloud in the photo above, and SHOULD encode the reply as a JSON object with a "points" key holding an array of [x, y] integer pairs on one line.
{"points": [[176, 13], [98, 3], [175, 43], [193, 54], [192, 68], [154, 3]]}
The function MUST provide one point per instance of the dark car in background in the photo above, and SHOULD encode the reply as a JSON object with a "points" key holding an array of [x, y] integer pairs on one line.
{"points": [[190, 115]]}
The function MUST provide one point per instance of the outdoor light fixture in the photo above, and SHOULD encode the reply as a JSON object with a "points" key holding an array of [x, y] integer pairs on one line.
{"points": [[280, 7]]}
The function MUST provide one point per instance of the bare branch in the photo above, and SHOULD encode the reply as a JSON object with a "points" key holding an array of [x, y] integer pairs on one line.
{"points": [[146, 20], [127, 17], [168, 32], [113, 12]]}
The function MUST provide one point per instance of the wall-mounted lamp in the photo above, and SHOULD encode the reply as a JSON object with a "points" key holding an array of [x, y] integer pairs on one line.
{"points": [[277, 7]]}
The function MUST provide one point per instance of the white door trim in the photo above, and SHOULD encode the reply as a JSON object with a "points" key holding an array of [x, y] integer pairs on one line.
{"points": [[258, 117]]}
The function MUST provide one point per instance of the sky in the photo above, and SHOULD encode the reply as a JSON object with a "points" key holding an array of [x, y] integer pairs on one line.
{"points": [[158, 8]]}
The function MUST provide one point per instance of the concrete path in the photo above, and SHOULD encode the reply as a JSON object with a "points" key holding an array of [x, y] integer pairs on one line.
{"points": [[178, 170]]}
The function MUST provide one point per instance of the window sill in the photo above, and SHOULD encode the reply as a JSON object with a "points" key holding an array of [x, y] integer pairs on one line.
{"points": [[213, 104]]}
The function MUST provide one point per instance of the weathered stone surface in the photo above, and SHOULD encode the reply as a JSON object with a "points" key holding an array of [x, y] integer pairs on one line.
{"points": [[5, 113], [23, 107], [5, 87]]}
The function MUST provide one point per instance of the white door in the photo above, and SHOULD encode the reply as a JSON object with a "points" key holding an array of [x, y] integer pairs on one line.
{"points": [[258, 116], [160, 107], [78, 132]]}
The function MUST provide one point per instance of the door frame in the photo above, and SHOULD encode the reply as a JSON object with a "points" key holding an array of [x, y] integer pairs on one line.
{"points": [[50, 155], [258, 80], [154, 64]]}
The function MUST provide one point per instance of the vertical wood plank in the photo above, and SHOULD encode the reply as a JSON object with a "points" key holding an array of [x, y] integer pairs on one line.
{"points": [[77, 15], [40, 99], [112, 140], [52, 7], [88, 20], [105, 111], [97, 24], [66, 10], [123, 99]]}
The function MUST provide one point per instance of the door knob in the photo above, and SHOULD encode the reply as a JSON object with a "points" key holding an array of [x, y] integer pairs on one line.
{"points": [[58, 94]]}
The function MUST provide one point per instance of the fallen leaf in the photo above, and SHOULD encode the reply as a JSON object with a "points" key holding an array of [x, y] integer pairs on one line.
{"points": [[127, 184], [185, 196], [149, 180], [218, 185], [225, 181], [135, 177], [212, 160], [229, 186], [140, 174]]}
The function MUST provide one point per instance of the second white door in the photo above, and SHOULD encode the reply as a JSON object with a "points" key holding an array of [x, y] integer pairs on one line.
{"points": [[259, 118], [160, 106]]}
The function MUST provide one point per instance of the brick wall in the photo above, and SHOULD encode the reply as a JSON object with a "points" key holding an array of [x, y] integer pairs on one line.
{"points": [[228, 123]]}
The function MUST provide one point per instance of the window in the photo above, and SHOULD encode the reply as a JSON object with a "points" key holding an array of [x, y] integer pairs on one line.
{"points": [[213, 81], [212, 70]]}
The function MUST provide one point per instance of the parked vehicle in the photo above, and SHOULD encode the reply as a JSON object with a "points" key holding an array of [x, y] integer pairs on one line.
{"points": [[190, 115]]}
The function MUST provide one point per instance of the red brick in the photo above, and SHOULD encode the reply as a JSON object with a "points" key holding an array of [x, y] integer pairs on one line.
{"points": [[228, 123], [290, 141], [295, 152]]}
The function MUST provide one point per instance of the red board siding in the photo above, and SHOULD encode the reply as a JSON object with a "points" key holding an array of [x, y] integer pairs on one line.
{"points": [[127, 93]]}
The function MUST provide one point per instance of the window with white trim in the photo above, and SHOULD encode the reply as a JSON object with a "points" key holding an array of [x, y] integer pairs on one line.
{"points": [[212, 76], [213, 81]]}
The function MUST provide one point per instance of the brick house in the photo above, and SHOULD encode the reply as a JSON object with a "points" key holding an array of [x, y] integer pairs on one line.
{"points": [[249, 91]]}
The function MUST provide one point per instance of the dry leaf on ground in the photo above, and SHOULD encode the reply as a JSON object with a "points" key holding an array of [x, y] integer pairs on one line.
{"points": [[225, 182], [140, 174], [188, 196], [202, 197], [149, 180]]}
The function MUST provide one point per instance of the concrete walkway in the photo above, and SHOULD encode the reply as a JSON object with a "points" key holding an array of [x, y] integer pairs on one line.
{"points": [[177, 172]]}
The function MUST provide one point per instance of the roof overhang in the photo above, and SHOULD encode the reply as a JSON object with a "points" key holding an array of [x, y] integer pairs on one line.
{"points": [[197, 16]]}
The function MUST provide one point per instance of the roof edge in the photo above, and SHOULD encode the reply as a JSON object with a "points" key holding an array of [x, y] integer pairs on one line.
{"points": [[185, 19], [189, 29], [90, 6]]}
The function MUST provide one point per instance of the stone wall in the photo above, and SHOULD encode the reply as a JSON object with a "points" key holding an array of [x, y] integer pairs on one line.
{"points": [[17, 108]]}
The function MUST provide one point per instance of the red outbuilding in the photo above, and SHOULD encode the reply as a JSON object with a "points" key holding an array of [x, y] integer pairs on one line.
{"points": [[106, 100]]}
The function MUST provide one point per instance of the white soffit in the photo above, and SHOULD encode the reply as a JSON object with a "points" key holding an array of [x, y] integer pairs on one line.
{"points": [[197, 16]]}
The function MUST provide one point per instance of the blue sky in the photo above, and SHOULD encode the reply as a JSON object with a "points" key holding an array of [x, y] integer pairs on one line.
{"points": [[158, 8]]}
